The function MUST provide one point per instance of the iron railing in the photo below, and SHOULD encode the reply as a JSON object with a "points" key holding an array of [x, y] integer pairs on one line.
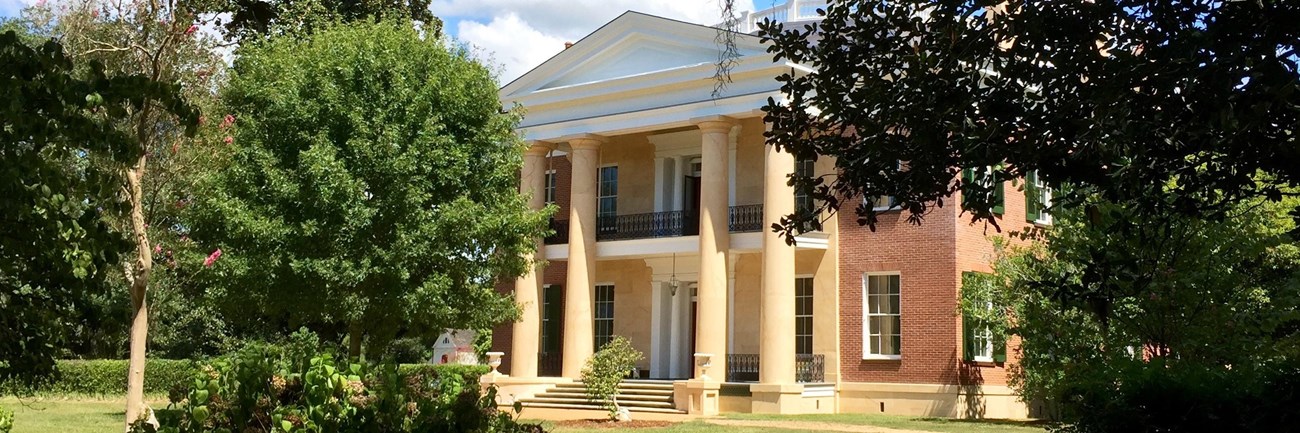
{"points": [[808, 368], [549, 364], [747, 218], [740, 219]]}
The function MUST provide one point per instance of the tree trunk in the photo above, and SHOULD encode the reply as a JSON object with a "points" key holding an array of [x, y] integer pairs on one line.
{"points": [[354, 341], [138, 276]]}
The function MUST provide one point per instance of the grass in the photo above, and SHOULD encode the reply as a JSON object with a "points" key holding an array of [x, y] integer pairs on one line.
{"points": [[83, 414], [943, 425]]}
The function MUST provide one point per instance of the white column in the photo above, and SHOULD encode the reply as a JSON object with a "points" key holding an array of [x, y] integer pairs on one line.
{"points": [[578, 320], [711, 325], [527, 331]]}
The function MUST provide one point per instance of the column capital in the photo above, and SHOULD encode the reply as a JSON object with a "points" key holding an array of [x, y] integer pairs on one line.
{"points": [[714, 123], [539, 148], [586, 141]]}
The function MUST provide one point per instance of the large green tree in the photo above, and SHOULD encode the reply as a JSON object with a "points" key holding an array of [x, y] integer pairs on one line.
{"points": [[1194, 101], [1197, 331], [371, 185], [58, 120]]}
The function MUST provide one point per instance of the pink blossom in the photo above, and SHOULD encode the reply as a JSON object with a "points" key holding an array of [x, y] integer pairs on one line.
{"points": [[229, 139], [191, 30], [202, 119], [212, 258], [229, 120], [94, 13], [40, 3], [157, 249]]}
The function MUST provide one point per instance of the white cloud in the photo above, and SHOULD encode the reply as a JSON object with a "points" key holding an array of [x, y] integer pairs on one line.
{"points": [[510, 43], [521, 34], [11, 8]]}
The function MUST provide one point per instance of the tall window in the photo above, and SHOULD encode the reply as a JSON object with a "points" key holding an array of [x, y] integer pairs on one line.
{"points": [[980, 344], [550, 186], [803, 316], [551, 313], [607, 205], [1038, 197], [803, 201], [883, 323], [604, 313], [981, 181]]}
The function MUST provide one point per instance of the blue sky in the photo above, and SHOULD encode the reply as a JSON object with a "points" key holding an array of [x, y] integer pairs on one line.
{"points": [[517, 35]]}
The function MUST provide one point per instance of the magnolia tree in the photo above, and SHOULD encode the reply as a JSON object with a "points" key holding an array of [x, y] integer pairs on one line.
{"points": [[371, 187]]}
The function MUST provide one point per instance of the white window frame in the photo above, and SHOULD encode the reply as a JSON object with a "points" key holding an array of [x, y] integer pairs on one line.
{"points": [[604, 225], [888, 199], [866, 316], [595, 313], [986, 334], [812, 328], [548, 189], [799, 196], [1045, 199]]}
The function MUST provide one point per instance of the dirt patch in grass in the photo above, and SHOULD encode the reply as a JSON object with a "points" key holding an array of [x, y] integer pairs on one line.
{"points": [[605, 423]]}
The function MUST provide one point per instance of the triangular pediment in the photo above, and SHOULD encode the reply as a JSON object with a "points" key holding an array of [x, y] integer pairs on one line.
{"points": [[632, 45]]}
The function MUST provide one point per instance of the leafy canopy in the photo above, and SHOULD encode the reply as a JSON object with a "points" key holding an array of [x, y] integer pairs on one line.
{"points": [[1193, 100], [56, 242], [371, 183]]}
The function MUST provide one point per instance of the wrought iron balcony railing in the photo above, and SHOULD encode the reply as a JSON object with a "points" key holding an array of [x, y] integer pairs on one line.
{"points": [[740, 219], [808, 368]]}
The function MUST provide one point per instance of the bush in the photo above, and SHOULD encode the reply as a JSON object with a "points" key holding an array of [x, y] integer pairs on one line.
{"points": [[259, 390], [6, 420], [406, 351], [107, 377], [605, 371]]}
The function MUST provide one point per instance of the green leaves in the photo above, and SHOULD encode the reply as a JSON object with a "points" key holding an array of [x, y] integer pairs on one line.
{"points": [[606, 369], [372, 181]]}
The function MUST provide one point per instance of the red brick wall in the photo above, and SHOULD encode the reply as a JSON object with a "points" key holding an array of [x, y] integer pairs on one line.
{"points": [[930, 259]]}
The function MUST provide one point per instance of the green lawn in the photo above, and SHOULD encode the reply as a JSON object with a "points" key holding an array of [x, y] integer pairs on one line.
{"points": [[944, 425], [97, 415]]}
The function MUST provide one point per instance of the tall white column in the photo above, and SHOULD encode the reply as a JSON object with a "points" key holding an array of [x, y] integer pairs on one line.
{"points": [[777, 391], [711, 325], [528, 287], [578, 320]]}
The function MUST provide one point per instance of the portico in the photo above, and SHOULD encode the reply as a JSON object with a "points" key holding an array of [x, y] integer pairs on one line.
{"points": [[664, 234]]}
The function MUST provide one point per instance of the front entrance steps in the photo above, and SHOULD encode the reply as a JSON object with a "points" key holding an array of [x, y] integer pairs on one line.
{"points": [[635, 395]]}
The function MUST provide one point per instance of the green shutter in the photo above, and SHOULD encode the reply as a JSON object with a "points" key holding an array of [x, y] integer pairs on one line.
{"points": [[967, 338], [1032, 205], [967, 178], [999, 197], [999, 348]]}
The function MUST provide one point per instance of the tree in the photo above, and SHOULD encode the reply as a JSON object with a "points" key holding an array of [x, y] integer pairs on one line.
{"points": [[58, 240], [252, 20], [1198, 331], [371, 186], [606, 369], [1194, 101]]}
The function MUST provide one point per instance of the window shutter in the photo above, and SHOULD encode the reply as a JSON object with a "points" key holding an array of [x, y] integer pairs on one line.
{"points": [[967, 178], [999, 198], [1032, 197], [967, 338]]}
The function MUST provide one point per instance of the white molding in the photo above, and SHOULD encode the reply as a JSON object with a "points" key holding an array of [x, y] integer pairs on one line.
{"points": [[866, 324]]}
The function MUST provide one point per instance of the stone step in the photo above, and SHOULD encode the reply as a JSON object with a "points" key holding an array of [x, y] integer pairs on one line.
{"points": [[584, 401], [621, 397], [629, 391], [596, 407]]}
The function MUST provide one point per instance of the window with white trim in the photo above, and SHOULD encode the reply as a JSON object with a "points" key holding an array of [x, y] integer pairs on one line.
{"points": [[803, 315], [604, 314], [886, 202], [882, 324], [982, 343], [1038, 198], [803, 201], [550, 187], [607, 201]]}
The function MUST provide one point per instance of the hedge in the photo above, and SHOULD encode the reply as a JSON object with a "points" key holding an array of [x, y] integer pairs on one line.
{"points": [[108, 377]]}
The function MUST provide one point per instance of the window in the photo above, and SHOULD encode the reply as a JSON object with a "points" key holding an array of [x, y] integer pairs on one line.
{"points": [[550, 186], [803, 316], [979, 342], [551, 313], [1038, 198], [981, 181], [607, 204], [803, 201], [604, 313], [886, 202], [883, 323]]}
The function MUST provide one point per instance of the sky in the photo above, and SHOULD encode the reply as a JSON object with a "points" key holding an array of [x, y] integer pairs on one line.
{"points": [[517, 35]]}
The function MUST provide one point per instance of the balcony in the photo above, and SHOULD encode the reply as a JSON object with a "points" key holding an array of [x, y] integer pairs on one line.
{"points": [[740, 219]]}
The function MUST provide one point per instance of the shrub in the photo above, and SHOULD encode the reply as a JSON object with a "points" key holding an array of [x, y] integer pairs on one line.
{"points": [[605, 371], [258, 390], [106, 377], [406, 351], [6, 420]]}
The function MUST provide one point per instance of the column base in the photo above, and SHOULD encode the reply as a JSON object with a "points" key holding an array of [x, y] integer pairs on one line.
{"points": [[697, 397], [776, 398], [512, 389]]}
